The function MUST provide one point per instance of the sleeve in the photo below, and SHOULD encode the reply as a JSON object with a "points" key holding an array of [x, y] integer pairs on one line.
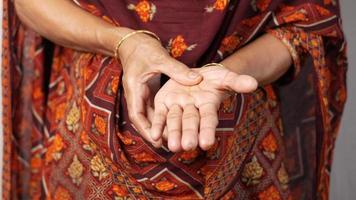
{"points": [[312, 29], [308, 29], [296, 40]]}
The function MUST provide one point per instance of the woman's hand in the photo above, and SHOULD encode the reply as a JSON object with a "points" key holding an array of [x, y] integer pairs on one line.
{"points": [[143, 59], [190, 112], [142, 56]]}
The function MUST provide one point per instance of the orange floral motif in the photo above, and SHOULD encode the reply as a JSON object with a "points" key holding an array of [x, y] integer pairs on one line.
{"points": [[126, 139], [37, 94], [36, 163], [137, 190], [271, 193], [84, 137], [144, 9], [218, 5], [229, 44], [119, 190], [178, 46], [54, 150], [62, 194], [327, 2], [100, 124], [58, 143], [164, 185], [115, 84], [269, 143], [322, 11], [189, 156], [299, 15], [262, 5], [112, 86], [60, 109], [144, 157]]}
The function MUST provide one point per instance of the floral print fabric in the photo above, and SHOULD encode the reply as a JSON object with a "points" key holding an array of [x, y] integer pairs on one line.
{"points": [[67, 133]]}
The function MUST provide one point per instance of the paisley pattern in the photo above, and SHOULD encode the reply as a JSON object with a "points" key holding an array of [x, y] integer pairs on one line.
{"points": [[67, 133]]}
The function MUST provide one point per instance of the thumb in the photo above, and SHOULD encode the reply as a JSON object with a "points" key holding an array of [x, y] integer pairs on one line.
{"points": [[240, 83], [181, 73]]}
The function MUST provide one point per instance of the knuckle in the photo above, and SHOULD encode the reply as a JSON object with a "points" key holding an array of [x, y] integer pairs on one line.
{"points": [[212, 121], [190, 116], [190, 130], [174, 115], [157, 124], [160, 115], [208, 114], [173, 131], [210, 128]]}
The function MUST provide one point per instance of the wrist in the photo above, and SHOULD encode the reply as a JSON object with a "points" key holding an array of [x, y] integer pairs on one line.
{"points": [[237, 64], [107, 39], [131, 41]]}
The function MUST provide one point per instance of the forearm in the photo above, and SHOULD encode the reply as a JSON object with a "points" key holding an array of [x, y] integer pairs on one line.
{"points": [[266, 59], [66, 24]]}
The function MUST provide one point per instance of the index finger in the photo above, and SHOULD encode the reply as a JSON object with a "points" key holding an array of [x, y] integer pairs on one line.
{"points": [[136, 111], [159, 121]]}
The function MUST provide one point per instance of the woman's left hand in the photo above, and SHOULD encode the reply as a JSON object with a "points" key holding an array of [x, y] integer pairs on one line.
{"points": [[190, 112]]}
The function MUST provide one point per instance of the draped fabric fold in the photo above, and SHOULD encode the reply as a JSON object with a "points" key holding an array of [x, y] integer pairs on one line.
{"points": [[67, 133]]}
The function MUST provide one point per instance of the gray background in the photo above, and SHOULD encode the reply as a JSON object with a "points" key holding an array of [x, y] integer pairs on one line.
{"points": [[343, 175]]}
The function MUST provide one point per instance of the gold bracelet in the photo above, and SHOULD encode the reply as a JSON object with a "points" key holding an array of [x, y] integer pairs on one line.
{"points": [[116, 53], [213, 64]]}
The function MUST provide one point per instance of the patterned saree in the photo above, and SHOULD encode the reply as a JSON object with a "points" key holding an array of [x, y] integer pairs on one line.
{"points": [[67, 134]]}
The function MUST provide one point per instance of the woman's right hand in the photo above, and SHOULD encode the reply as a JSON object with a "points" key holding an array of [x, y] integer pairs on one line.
{"points": [[143, 58]]}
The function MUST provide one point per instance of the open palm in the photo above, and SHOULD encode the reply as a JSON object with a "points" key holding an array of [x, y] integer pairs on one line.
{"points": [[190, 112]]}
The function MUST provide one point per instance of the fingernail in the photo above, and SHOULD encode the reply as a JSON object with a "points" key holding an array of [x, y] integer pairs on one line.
{"points": [[193, 75]]}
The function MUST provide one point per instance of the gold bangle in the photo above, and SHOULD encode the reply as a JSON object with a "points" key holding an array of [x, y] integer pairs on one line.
{"points": [[116, 53], [213, 64]]}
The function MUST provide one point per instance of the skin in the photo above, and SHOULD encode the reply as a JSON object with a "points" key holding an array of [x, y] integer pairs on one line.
{"points": [[143, 59], [190, 112]]}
